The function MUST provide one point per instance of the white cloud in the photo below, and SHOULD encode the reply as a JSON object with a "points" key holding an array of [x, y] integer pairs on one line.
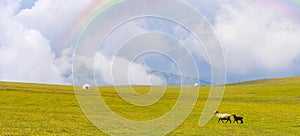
{"points": [[257, 39], [25, 53], [119, 71], [114, 71], [254, 38], [54, 19], [31, 40]]}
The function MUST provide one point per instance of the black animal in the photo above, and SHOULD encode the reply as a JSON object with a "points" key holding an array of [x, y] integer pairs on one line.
{"points": [[237, 118]]}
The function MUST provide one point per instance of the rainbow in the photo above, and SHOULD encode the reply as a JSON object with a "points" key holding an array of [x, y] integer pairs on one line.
{"points": [[92, 10], [289, 8], [95, 7]]}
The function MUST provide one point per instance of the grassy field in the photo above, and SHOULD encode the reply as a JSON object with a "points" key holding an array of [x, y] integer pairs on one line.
{"points": [[270, 107]]}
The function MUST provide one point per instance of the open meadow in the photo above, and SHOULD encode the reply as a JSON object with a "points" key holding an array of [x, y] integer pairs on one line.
{"points": [[269, 107]]}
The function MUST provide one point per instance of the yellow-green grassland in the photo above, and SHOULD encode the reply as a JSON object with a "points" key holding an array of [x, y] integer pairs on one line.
{"points": [[269, 107]]}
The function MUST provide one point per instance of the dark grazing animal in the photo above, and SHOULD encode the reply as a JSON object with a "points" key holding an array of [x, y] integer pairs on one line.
{"points": [[237, 118], [223, 117]]}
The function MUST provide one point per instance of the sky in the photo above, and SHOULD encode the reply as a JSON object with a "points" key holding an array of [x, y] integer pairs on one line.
{"points": [[259, 38]]}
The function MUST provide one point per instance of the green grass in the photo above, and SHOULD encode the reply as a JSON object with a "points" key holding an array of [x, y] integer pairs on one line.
{"points": [[270, 107]]}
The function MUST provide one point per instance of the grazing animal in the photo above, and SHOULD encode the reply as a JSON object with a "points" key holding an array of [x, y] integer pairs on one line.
{"points": [[237, 118], [223, 117]]}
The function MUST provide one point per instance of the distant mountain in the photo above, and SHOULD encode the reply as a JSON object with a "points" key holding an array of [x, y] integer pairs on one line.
{"points": [[175, 79]]}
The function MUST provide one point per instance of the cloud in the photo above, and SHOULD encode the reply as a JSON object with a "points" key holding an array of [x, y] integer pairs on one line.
{"points": [[25, 53], [120, 71], [114, 71], [31, 40], [54, 19], [257, 39], [112, 68]]}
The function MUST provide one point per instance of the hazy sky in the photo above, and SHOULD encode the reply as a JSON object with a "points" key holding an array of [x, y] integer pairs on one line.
{"points": [[260, 38]]}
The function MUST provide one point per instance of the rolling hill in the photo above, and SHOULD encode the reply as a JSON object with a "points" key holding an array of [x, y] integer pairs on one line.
{"points": [[270, 107]]}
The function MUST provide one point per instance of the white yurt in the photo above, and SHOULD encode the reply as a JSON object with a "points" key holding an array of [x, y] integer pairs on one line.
{"points": [[196, 84], [86, 86]]}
